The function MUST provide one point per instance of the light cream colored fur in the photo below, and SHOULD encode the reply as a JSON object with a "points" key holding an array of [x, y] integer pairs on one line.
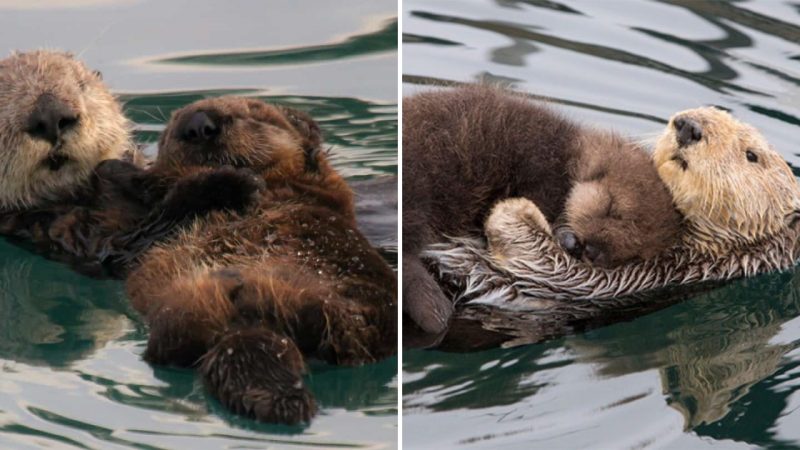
{"points": [[102, 131]]}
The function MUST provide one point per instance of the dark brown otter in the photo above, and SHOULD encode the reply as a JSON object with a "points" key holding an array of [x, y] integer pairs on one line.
{"points": [[466, 149], [246, 297]]}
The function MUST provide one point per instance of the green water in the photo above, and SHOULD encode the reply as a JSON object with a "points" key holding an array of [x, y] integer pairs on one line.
{"points": [[719, 370], [70, 346]]}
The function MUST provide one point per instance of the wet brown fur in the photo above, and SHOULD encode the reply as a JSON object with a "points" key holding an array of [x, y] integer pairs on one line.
{"points": [[466, 149], [618, 205], [246, 297]]}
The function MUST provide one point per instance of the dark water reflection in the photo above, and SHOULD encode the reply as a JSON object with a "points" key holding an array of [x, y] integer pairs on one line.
{"points": [[719, 368], [71, 375]]}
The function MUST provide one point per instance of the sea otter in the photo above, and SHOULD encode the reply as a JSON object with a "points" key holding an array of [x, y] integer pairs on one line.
{"points": [[58, 120], [739, 198], [467, 148], [73, 178], [59, 124], [246, 297]]}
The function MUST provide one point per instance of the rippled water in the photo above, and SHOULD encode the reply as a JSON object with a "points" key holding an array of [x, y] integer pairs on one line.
{"points": [[720, 369], [70, 367]]}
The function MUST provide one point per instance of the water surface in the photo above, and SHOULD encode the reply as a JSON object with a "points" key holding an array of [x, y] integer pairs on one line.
{"points": [[71, 375], [719, 370]]}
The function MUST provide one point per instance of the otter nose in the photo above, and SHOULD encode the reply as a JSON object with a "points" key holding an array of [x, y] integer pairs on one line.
{"points": [[687, 130], [199, 127], [51, 118]]}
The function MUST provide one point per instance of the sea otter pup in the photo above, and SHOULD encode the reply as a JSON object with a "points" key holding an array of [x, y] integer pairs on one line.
{"points": [[739, 198], [466, 149], [245, 297], [58, 121]]}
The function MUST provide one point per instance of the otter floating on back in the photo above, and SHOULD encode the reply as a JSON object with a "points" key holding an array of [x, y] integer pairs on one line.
{"points": [[739, 198]]}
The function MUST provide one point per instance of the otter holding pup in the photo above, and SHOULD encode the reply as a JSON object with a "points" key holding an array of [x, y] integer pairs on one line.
{"points": [[741, 208], [260, 263], [71, 170], [468, 148]]}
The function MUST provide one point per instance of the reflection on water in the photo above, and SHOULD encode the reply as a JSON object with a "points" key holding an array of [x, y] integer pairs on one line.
{"points": [[381, 40], [715, 368], [70, 365]]}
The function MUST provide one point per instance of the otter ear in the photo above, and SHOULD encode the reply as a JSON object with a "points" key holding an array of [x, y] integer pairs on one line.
{"points": [[312, 136]]}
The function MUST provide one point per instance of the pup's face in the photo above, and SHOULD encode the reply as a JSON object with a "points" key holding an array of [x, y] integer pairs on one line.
{"points": [[723, 172], [57, 122], [617, 222], [240, 132]]}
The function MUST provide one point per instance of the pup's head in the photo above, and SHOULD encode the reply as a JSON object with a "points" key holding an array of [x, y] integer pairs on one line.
{"points": [[619, 209], [57, 122], [274, 141]]}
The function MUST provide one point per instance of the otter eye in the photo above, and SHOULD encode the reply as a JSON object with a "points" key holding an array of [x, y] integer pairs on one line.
{"points": [[751, 156]]}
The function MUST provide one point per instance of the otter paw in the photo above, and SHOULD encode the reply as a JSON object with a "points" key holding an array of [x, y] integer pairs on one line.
{"points": [[113, 169], [515, 212], [225, 188], [290, 406], [510, 221], [257, 373], [69, 235]]}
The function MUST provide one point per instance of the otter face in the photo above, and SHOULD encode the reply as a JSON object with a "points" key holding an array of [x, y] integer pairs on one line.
{"points": [[57, 122], [240, 132], [725, 177], [611, 222]]}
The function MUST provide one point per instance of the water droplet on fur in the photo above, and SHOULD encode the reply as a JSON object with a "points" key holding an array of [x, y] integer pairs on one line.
{"points": [[230, 351]]}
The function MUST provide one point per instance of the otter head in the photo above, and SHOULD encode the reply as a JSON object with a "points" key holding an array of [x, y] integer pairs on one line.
{"points": [[57, 122], [614, 221], [726, 179], [274, 141]]}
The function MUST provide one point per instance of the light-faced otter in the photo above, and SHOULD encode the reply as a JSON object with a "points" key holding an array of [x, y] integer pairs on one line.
{"points": [[740, 201], [466, 149], [246, 297], [57, 122]]}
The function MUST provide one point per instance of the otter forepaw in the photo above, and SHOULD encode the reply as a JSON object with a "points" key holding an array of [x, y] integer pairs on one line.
{"points": [[511, 220], [514, 212], [225, 188], [68, 233]]}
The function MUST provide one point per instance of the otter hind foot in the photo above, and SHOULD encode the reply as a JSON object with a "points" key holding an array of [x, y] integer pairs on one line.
{"points": [[257, 373], [423, 299]]}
